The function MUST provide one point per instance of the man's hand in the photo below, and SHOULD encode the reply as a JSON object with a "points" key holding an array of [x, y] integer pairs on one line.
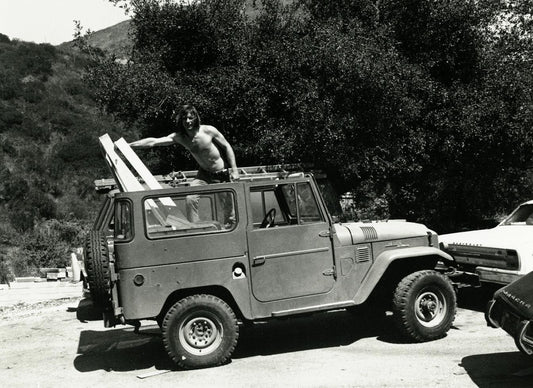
{"points": [[234, 174]]}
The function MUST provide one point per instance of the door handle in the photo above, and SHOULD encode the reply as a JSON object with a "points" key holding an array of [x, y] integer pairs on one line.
{"points": [[259, 260]]}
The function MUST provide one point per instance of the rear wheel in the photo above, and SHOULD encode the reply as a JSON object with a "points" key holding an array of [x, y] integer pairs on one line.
{"points": [[98, 270], [424, 306], [200, 331]]}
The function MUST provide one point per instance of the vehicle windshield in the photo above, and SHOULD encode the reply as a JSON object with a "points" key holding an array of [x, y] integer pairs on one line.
{"points": [[521, 216]]}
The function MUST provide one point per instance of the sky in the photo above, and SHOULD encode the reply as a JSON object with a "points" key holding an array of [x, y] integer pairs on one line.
{"points": [[52, 21]]}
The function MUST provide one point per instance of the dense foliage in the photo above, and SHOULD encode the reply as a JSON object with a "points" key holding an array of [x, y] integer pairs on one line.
{"points": [[49, 153], [421, 109]]}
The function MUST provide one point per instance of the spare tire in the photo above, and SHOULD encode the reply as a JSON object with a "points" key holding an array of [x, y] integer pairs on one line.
{"points": [[98, 270]]}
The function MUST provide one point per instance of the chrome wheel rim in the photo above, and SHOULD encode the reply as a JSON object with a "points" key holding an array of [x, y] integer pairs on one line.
{"points": [[430, 307], [200, 335]]}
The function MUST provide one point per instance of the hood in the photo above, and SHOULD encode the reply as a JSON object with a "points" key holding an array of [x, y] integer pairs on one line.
{"points": [[360, 232], [519, 296], [504, 236]]}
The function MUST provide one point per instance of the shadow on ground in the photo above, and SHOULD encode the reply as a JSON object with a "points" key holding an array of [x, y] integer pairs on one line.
{"points": [[331, 329], [476, 299], [123, 350], [510, 369]]}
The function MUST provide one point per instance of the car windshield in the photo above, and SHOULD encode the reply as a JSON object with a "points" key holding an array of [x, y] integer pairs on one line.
{"points": [[521, 216]]}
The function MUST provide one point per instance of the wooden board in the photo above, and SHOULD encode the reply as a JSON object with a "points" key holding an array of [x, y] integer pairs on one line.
{"points": [[141, 169]]}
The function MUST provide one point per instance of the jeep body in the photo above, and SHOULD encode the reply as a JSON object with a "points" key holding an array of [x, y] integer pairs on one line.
{"points": [[281, 255]]}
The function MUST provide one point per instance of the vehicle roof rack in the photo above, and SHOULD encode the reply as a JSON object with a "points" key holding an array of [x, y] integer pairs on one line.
{"points": [[250, 173]]}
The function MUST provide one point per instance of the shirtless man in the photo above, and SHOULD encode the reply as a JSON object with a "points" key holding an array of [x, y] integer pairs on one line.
{"points": [[204, 142]]}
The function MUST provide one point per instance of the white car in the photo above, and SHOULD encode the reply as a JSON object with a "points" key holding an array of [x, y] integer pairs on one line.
{"points": [[498, 255]]}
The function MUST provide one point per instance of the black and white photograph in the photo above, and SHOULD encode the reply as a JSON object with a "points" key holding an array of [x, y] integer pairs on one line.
{"points": [[266, 193]]}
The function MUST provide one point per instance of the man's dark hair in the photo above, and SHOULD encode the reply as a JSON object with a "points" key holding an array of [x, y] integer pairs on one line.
{"points": [[181, 114]]}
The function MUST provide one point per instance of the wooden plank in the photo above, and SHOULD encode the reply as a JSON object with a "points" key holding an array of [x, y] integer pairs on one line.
{"points": [[126, 177], [152, 373], [127, 180], [141, 169]]}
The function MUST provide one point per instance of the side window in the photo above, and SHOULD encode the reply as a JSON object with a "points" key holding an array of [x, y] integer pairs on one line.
{"points": [[307, 206], [187, 214], [292, 203], [122, 221], [289, 195], [264, 200]]}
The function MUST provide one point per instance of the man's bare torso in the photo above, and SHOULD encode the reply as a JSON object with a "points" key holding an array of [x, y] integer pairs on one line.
{"points": [[200, 145]]}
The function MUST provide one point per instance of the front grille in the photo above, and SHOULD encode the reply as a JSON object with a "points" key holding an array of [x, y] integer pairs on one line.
{"points": [[489, 257]]}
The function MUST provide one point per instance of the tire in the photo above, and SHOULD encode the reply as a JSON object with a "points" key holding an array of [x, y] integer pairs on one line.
{"points": [[98, 271], [424, 306], [200, 331]]}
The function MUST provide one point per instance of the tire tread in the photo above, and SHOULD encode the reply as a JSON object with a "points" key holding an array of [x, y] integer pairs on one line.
{"points": [[183, 303], [401, 300]]}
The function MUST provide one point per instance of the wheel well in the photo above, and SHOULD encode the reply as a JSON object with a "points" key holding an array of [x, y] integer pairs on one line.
{"points": [[396, 271], [218, 291]]}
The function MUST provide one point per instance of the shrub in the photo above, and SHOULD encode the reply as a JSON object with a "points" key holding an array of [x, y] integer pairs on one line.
{"points": [[46, 246], [6, 274]]}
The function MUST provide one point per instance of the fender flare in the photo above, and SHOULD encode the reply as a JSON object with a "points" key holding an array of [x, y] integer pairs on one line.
{"points": [[385, 259]]}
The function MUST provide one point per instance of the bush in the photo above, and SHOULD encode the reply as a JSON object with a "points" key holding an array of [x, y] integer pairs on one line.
{"points": [[6, 275], [21, 265], [47, 246]]}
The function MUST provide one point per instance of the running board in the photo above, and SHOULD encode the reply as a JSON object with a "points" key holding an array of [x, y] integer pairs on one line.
{"points": [[312, 309]]}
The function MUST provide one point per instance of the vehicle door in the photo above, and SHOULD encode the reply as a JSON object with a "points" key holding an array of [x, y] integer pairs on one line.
{"points": [[289, 245]]}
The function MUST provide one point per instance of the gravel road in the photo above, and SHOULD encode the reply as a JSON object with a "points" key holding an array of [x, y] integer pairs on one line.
{"points": [[44, 344]]}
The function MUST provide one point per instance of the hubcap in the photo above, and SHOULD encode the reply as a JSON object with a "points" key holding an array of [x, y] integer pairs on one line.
{"points": [[200, 335], [430, 307]]}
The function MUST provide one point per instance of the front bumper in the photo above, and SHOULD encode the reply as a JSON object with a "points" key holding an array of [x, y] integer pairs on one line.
{"points": [[496, 275], [497, 315]]}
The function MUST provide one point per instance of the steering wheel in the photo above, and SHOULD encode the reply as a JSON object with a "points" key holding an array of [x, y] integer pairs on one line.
{"points": [[268, 221]]}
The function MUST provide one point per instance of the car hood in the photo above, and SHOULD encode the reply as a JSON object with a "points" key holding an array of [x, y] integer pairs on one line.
{"points": [[504, 236], [359, 232], [518, 296]]}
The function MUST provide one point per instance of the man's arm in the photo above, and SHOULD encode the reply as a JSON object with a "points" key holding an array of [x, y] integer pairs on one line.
{"points": [[230, 155], [154, 141]]}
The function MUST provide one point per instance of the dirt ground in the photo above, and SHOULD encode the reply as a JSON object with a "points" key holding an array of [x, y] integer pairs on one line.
{"points": [[45, 344]]}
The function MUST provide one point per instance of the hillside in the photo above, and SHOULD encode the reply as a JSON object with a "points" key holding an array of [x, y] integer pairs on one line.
{"points": [[49, 153], [114, 39]]}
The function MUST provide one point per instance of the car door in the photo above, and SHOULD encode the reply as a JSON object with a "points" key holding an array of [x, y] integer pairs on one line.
{"points": [[293, 256]]}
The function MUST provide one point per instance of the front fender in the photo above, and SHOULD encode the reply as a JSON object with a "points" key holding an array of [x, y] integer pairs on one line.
{"points": [[385, 259]]}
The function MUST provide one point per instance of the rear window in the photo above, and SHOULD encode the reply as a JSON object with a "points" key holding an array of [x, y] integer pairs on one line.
{"points": [[190, 214], [123, 229]]}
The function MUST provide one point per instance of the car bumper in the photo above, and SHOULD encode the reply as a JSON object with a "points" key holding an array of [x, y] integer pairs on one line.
{"points": [[495, 275]]}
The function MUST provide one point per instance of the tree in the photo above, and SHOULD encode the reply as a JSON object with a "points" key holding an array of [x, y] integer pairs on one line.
{"points": [[424, 105]]}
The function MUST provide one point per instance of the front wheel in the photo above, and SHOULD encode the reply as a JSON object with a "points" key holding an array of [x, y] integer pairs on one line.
{"points": [[200, 331], [424, 306]]}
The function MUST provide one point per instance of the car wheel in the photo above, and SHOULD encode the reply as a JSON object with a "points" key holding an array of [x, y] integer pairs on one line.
{"points": [[424, 306], [98, 270], [200, 331]]}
